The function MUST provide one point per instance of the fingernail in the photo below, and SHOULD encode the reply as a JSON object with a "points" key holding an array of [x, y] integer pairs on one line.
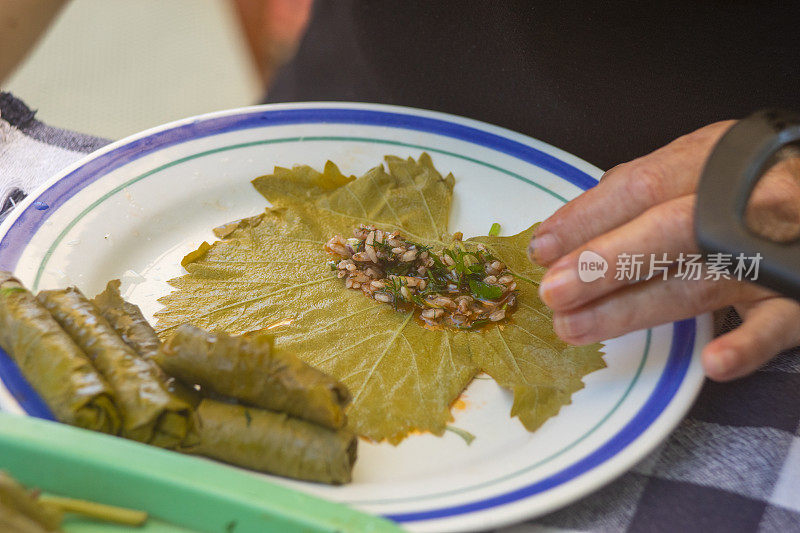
{"points": [[720, 364], [574, 325], [557, 286], [543, 249]]}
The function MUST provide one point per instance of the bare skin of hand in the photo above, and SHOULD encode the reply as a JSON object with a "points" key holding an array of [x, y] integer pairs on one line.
{"points": [[646, 207], [22, 23]]}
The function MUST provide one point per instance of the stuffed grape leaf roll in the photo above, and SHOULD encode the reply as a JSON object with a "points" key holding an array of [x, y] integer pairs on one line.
{"points": [[274, 443], [20, 511], [57, 368], [131, 325], [16, 522], [249, 369], [127, 319], [150, 414]]}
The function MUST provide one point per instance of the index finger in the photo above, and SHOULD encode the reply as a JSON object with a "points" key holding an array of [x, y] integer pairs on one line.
{"points": [[625, 192]]}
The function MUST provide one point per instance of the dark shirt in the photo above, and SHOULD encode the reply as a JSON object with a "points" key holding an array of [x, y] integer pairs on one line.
{"points": [[607, 82]]}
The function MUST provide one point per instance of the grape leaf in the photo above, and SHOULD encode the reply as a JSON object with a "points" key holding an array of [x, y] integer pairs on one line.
{"points": [[412, 196], [272, 270], [523, 354]]}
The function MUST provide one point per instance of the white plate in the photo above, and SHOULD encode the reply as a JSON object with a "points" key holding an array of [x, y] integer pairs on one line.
{"points": [[134, 208]]}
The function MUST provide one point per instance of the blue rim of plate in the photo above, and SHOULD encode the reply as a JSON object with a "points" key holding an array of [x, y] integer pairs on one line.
{"points": [[28, 222]]}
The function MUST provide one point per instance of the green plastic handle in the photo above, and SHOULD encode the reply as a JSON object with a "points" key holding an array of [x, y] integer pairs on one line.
{"points": [[183, 490]]}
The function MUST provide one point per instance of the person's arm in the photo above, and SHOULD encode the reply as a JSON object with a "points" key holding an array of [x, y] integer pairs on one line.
{"points": [[22, 22], [646, 207], [272, 29]]}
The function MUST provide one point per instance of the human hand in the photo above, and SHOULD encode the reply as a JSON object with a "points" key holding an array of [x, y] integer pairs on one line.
{"points": [[646, 207]]}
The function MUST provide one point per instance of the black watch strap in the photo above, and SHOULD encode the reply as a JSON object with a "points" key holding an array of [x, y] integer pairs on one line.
{"points": [[736, 164]]}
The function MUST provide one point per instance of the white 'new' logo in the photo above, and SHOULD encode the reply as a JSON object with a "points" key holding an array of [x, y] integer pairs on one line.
{"points": [[591, 266]]}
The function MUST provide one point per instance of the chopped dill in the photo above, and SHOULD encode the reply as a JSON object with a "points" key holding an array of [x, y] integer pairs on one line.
{"points": [[383, 246]]}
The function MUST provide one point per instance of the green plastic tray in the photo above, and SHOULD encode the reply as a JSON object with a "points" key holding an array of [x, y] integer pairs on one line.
{"points": [[182, 493]]}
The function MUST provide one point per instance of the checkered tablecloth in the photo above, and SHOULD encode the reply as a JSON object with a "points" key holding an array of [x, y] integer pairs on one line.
{"points": [[732, 465]]}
